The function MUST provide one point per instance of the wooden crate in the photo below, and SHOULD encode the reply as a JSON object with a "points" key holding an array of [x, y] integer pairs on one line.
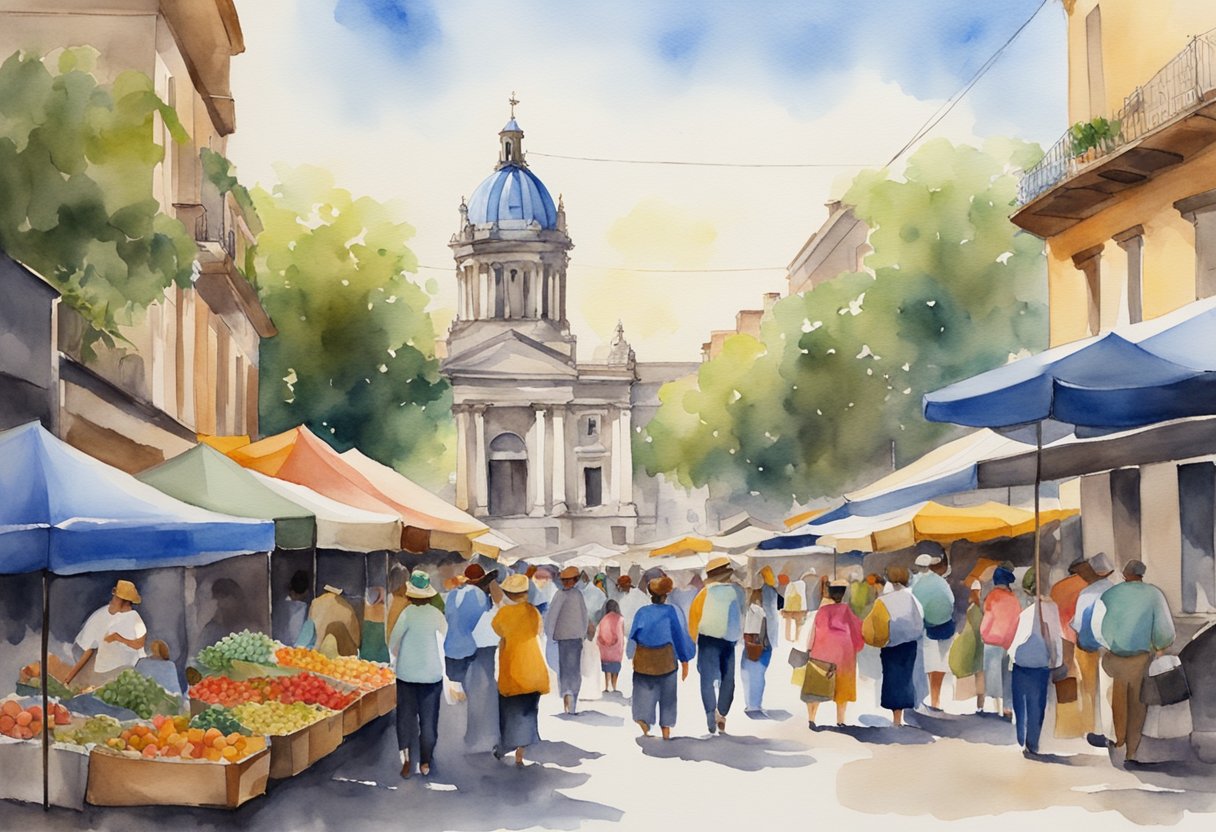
{"points": [[324, 737], [289, 754], [121, 780]]}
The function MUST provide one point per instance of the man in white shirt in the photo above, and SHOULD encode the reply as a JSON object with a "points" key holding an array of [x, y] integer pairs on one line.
{"points": [[1037, 649], [112, 638]]}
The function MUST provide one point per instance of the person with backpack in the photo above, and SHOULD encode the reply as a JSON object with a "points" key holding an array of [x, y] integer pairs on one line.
{"points": [[895, 625], [1088, 654], [1037, 650]]}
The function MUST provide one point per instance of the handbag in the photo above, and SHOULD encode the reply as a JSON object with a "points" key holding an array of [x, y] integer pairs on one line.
{"points": [[753, 646], [966, 687], [1066, 689], [819, 683], [1166, 687], [654, 661], [798, 657]]}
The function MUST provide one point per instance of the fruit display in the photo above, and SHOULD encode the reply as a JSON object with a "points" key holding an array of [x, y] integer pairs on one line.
{"points": [[220, 718], [246, 646], [278, 719], [24, 723], [173, 737], [138, 693], [30, 677], [94, 730], [363, 674], [303, 687], [220, 690]]}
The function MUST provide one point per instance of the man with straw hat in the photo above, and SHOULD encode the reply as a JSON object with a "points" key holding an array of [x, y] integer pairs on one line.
{"points": [[567, 623], [464, 607], [332, 617], [715, 623], [112, 638], [1088, 654], [415, 654]]}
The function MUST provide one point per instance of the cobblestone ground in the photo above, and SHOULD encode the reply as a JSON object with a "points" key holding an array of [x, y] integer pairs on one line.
{"points": [[594, 772]]}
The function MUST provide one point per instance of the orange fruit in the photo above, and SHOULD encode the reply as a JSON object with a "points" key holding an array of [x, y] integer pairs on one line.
{"points": [[24, 718], [212, 754], [220, 743], [194, 734], [149, 751], [229, 753], [10, 708]]}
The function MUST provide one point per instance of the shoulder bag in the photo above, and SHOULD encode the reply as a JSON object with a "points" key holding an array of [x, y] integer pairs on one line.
{"points": [[654, 661]]}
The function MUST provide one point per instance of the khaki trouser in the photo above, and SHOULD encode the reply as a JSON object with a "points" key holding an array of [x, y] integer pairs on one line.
{"points": [[1127, 711], [1089, 695]]}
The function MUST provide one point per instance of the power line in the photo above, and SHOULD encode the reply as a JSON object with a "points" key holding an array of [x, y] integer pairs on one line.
{"points": [[646, 270], [950, 103], [701, 164]]}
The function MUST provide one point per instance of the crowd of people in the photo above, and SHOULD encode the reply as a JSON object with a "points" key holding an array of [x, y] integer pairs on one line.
{"points": [[1007, 644], [494, 639]]}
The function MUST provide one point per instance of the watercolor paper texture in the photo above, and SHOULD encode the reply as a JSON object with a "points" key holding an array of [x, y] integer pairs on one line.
{"points": [[623, 416]]}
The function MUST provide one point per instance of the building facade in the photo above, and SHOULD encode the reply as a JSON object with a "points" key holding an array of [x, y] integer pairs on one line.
{"points": [[544, 439], [191, 364], [1126, 202]]}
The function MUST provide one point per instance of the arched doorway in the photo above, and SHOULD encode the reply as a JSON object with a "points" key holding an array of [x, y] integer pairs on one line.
{"points": [[508, 475]]}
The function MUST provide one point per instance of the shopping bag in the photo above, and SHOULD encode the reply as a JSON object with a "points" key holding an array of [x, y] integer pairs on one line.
{"points": [[798, 657], [1066, 690], [1165, 683], [966, 687], [819, 682]]}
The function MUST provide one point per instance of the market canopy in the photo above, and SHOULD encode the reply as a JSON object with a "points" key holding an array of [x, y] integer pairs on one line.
{"points": [[204, 477], [1145, 373], [299, 456], [64, 511], [929, 521], [952, 468], [339, 526], [687, 545]]}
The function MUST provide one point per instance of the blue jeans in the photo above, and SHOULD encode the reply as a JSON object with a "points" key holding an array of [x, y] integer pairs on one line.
{"points": [[1029, 704], [716, 667], [418, 717], [753, 679]]}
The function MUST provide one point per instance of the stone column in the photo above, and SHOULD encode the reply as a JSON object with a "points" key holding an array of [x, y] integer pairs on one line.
{"points": [[479, 461], [615, 433], [538, 465], [1089, 263], [559, 460], [538, 287], [1132, 242], [1200, 209], [462, 457], [625, 435]]}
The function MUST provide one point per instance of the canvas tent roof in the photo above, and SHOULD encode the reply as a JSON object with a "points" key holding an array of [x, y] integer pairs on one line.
{"points": [[64, 511]]}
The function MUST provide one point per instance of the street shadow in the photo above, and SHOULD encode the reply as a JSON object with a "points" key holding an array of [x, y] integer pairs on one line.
{"points": [[562, 753], [590, 717], [616, 696], [770, 715], [740, 753], [883, 734], [977, 728]]}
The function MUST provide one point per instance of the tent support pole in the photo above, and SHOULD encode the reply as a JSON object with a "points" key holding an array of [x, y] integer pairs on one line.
{"points": [[45, 667], [1038, 478]]}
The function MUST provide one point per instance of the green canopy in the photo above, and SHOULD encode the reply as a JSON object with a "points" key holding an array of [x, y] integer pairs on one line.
{"points": [[204, 477]]}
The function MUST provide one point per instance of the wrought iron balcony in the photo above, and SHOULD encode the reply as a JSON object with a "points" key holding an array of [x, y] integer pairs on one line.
{"points": [[1153, 130]]}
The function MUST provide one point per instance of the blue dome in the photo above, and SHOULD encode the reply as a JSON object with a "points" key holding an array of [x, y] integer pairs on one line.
{"points": [[513, 197]]}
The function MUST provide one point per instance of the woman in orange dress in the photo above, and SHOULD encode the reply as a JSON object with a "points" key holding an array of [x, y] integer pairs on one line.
{"points": [[836, 637], [522, 673]]}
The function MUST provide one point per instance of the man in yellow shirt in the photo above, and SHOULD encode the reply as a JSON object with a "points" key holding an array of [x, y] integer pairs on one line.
{"points": [[715, 623]]}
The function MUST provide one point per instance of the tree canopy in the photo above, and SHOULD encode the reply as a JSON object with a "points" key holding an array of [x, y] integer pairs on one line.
{"points": [[355, 355], [77, 159], [812, 407]]}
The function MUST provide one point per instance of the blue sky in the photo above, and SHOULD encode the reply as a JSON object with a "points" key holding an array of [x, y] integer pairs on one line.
{"points": [[402, 100]]}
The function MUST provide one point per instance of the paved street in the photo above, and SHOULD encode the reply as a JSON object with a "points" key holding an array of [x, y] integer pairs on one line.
{"points": [[593, 770]]}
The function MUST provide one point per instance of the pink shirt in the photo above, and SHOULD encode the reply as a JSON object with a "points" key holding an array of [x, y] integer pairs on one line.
{"points": [[610, 637], [1000, 622], [836, 636]]}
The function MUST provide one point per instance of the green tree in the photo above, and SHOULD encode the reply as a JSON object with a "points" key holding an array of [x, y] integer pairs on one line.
{"points": [[812, 408], [354, 359], [77, 160]]}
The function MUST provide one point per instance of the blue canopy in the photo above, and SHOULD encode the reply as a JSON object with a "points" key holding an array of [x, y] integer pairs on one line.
{"points": [[1147, 373], [64, 511]]}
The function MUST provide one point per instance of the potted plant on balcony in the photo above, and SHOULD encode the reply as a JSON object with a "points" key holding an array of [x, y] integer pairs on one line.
{"points": [[1088, 137]]}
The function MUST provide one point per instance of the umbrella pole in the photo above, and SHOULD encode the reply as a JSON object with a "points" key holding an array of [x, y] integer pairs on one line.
{"points": [[1038, 478], [46, 722]]}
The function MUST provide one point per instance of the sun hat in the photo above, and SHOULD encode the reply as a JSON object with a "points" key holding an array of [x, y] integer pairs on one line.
{"points": [[1101, 564], [624, 582], [516, 584], [415, 591], [718, 565], [127, 592], [661, 585], [570, 573], [927, 560], [331, 588]]}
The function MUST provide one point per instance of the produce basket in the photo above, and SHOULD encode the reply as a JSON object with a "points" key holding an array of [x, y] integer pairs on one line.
{"points": [[116, 779], [21, 763]]}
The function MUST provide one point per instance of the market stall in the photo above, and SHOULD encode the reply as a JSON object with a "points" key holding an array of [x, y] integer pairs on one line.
{"points": [[67, 514]]}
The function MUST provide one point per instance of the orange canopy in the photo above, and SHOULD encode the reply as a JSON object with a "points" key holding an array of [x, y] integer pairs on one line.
{"points": [[684, 546], [299, 456]]}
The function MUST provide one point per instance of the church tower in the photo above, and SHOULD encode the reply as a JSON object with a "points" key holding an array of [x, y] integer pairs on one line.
{"points": [[543, 442]]}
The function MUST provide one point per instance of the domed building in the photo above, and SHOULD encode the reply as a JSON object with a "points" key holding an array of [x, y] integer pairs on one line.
{"points": [[544, 440]]}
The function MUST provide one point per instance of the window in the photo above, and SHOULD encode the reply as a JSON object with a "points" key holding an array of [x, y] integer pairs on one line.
{"points": [[507, 150], [618, 536], [593, 479], [593, 426]]}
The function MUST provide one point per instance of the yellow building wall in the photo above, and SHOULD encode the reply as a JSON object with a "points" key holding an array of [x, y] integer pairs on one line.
{"points": [[1139, 37], [1168, 277]]}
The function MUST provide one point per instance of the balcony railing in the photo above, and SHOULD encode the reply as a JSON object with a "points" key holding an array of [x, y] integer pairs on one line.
{"points": [[1182, 84]]}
